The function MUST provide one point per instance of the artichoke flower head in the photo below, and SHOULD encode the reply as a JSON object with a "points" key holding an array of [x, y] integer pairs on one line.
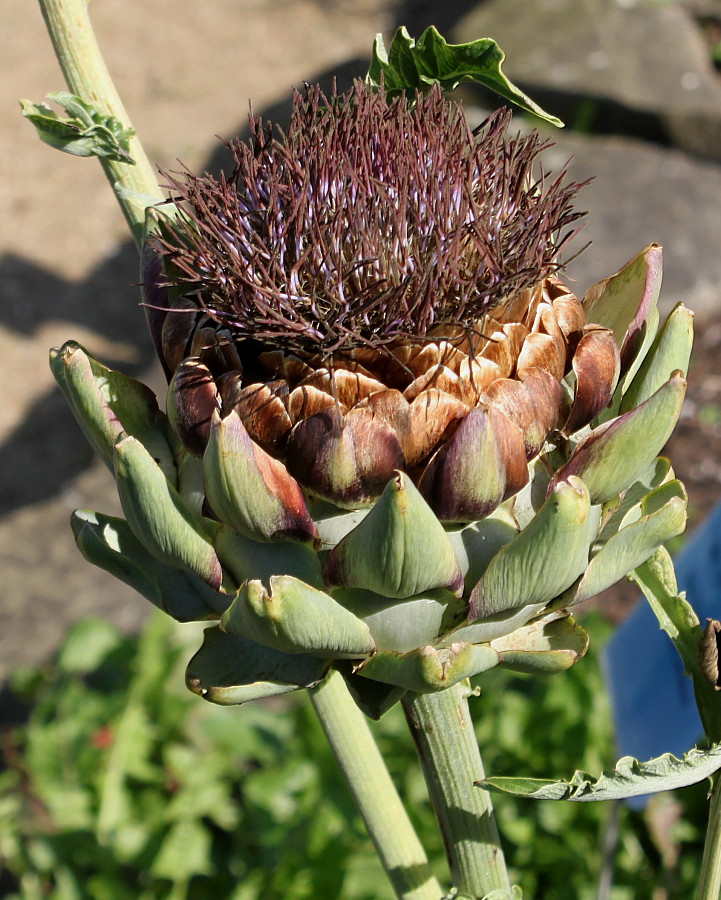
{"points": [[396, 442], [376, 291]]}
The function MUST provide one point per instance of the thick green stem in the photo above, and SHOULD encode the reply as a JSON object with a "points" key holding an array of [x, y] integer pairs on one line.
{"points": [[385, 817], [135, 186], [443, 731], [709, 885]]}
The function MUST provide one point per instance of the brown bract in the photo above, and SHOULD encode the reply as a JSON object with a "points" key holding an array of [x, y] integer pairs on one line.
{"points": [[461, 412]]}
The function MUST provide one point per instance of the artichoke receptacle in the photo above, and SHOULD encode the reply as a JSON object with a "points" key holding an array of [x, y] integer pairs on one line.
{"points": [[396, 442]]}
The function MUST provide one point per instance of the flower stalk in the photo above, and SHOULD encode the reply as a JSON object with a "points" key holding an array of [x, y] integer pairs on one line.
{"points": [[447, 748], [134, 184], [709, 884], [385, 817]]}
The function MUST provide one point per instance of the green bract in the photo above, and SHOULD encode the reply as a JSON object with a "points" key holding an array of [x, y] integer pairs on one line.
{"points": [[403, 589]]}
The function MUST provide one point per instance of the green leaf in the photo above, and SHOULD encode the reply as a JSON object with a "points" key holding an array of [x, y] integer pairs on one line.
{"points": [[670, 351], [85, 132], [630, 778], [230, 670], [477, 543], [107, 404], [409, 66], [185, 852], [248, 560], [616, 453], [657, 580], [159, 518], [401, 625], [88, 643]]}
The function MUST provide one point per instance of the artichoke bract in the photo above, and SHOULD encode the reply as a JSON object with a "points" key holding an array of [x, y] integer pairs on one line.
{"points": [[396, 443]]}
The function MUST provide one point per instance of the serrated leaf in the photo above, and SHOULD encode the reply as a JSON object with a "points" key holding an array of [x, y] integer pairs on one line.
{"points": [[629, 778], [84, 132], [409, 66]]}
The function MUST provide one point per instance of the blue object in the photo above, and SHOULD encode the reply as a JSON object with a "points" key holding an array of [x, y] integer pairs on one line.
{"points": [[653, 705]]}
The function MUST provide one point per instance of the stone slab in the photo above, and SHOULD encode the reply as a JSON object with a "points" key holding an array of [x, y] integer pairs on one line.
{"points": [[632, 66]]}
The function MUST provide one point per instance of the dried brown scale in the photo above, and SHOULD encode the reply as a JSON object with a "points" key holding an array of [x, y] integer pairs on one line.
{"points": [[376, 291]]}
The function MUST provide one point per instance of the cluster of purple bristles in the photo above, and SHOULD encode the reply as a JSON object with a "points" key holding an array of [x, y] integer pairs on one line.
{"points": [[369, 220]]}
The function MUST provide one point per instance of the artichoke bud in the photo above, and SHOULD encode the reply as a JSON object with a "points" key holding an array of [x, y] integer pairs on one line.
{"points": [[399, 444]]}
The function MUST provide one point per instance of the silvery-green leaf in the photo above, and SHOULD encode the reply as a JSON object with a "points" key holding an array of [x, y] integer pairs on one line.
{"points": [[400, 625], [293, 617], [229, 670], [399, 549], [629, 778], [159, 518], [647, 335], [248, 560], [429, 669], [333, 524], [85, 132], [628, 508], [477, 543], [190, 483], [544, 559], [543, 647], [531, 498], [670, 352], [108, 542]]}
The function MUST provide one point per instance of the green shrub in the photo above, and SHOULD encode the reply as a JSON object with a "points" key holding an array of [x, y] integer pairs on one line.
{"points": [[123, 785]]}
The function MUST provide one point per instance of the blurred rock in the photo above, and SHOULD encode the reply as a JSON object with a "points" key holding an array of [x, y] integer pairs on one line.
{"points": [[624, 66]]}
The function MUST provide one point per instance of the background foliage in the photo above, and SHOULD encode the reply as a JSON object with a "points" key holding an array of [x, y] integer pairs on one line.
{"points": [[122, 785]]}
